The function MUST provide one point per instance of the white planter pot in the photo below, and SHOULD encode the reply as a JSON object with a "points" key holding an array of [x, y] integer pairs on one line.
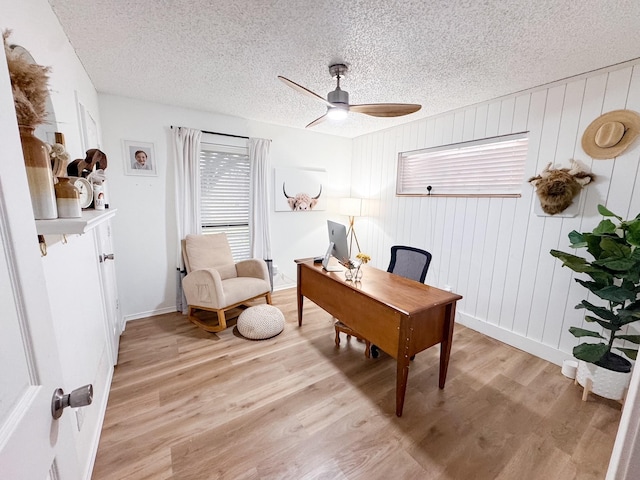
{"points": [[603, 382]]}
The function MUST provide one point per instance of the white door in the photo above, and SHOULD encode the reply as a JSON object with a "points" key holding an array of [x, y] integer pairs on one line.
{"points": [[33, 445]]}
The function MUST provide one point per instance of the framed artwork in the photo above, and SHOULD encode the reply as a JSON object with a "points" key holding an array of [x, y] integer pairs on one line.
{"points": [[90, 131], [299, 190], [139, 158], [87, 126]]}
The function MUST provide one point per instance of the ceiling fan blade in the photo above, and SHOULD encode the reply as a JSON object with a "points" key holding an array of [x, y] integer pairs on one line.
{"points": [[317, 121], [385, 109], [304, 91]]}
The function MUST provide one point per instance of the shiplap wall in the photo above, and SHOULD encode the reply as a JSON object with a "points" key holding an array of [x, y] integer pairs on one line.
{"points": [[495, 251]]}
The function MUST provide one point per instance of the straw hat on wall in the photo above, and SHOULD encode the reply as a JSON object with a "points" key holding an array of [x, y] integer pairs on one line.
{"points": [[610, 134]]}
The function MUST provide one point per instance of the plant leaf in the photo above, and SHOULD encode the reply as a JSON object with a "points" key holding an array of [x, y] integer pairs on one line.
{"points": [[593, 244], [605, 212], [603, 277], [616, 255], [630, 313], [633, 233], [615, 294], [592, 286], [605, 227], [603, 323], [575, 263], [581, 332], [590, 352], [629, 352], [577, 240], [599, 311], [630, 338]]}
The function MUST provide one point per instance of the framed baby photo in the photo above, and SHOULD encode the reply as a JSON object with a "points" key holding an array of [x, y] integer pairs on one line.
{"points": [[139, 158]]}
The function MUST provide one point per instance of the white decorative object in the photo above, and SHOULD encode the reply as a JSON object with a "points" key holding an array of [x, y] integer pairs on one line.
{"points": [[98, 197], [601, 381], [260, 322], [569, 368], [300, 189]]}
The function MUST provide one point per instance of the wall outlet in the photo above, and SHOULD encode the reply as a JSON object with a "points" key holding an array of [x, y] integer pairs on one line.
{"points": [[274, 269], [447, 288]]}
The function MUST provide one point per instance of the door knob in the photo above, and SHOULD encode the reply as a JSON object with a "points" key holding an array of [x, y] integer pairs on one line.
{"points": [[106, 256], [80, 397]]}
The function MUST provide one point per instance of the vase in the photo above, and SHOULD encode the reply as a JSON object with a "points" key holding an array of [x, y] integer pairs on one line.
{"points": [[603, 382], [353, 274], [67, 199], [39, 175], [358, 275]]}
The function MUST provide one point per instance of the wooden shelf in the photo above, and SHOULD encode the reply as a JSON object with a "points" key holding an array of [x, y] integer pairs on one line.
{"points": [[66, 226]]}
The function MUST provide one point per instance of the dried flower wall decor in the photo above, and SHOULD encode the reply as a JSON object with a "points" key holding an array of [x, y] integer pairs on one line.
{"points": [[29, 83]]}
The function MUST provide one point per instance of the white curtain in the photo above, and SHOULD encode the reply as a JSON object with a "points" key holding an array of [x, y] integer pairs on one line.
{"points": [[260, 226], [186, 143]]}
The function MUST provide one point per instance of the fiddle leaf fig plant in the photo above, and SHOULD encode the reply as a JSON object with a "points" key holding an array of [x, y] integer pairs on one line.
{"points": [[614, 278]]}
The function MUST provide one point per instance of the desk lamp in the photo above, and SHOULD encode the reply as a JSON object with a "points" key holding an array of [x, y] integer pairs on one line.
{"points": [[351, 207]]}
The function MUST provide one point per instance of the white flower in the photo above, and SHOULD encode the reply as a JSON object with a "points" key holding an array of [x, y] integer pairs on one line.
{"points": [[58, 148]]}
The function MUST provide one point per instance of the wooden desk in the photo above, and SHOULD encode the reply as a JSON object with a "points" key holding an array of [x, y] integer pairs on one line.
{"points": [[400, 316]]}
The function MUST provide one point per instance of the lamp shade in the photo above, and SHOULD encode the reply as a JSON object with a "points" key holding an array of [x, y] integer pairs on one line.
{"points": [[351, 207]]}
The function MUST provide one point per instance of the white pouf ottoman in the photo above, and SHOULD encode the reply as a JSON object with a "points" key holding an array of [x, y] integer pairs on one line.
{"points": [[260, 322]]}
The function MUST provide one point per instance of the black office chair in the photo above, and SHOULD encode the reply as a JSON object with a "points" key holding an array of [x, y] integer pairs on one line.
{"points": [[408, 262]]}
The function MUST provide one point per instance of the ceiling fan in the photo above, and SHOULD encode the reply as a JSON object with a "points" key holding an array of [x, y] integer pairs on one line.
{"points": [[337, 101]]}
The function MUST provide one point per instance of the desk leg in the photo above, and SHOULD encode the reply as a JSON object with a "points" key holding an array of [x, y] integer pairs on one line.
{"points": [[300, 300], [401, 382], [447, 339], [300, 297]]}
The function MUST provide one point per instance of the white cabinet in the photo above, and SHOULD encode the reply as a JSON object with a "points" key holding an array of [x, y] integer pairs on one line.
{"points": [[96, 224], [108, 287]]}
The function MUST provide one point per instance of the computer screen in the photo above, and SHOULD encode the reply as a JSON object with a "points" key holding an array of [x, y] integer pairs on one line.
{"points": [[338, 236]]}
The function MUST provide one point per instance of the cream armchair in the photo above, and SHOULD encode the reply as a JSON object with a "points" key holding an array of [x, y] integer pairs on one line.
{"points": [[215, 282]]}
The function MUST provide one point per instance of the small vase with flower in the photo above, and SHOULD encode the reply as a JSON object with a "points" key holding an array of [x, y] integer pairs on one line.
{"points": [[353, 273]]}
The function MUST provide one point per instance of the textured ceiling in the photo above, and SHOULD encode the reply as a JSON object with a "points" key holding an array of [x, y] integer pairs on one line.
{"points": [[225, 56]]}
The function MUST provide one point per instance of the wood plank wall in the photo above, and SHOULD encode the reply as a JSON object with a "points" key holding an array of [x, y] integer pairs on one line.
{"points": [[495, 252]]}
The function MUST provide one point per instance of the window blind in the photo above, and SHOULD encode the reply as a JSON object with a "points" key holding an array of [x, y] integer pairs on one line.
{"points": [[488, 167], [224, 195]]}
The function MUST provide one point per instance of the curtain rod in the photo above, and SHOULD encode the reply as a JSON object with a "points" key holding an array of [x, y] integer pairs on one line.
{"points": [[223, 134]]}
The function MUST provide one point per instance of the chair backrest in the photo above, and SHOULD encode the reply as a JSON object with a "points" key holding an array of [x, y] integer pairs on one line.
{"points": [[409, 262], [209, 251]]}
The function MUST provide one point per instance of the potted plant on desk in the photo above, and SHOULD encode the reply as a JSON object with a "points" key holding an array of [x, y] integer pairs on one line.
{"points": [[615, 279]]}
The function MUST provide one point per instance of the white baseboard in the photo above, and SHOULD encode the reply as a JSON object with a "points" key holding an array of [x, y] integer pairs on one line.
{"points": [[150, 313], [277, 288], [528, 345]]}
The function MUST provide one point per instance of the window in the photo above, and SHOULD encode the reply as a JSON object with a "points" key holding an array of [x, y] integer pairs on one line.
{"points": [[224, 195], [489, 167]]}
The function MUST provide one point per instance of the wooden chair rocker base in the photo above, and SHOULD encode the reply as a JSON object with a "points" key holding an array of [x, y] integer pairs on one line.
{"points": [[222, 320]]}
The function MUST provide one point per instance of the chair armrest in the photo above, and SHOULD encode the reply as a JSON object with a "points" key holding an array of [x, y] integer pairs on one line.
{"points": [[204, 288], [253, 267]]}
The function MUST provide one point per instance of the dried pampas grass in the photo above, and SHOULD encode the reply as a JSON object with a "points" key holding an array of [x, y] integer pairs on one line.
{"points": [[29, 84]]}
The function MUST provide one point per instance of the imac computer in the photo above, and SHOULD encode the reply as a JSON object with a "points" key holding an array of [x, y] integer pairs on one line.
{"points": [[337, 245]]}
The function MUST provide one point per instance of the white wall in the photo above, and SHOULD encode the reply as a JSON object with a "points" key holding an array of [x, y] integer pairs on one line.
{"points": [[495, 252], [70, 269], [144, 229]]}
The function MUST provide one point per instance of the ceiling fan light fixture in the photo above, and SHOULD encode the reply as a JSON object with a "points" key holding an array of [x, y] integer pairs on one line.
{"points": [[338, 105], [337, 113]]}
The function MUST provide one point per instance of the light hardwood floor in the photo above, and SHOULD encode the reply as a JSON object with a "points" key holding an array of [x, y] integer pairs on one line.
{"points": [[187, 404]]}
